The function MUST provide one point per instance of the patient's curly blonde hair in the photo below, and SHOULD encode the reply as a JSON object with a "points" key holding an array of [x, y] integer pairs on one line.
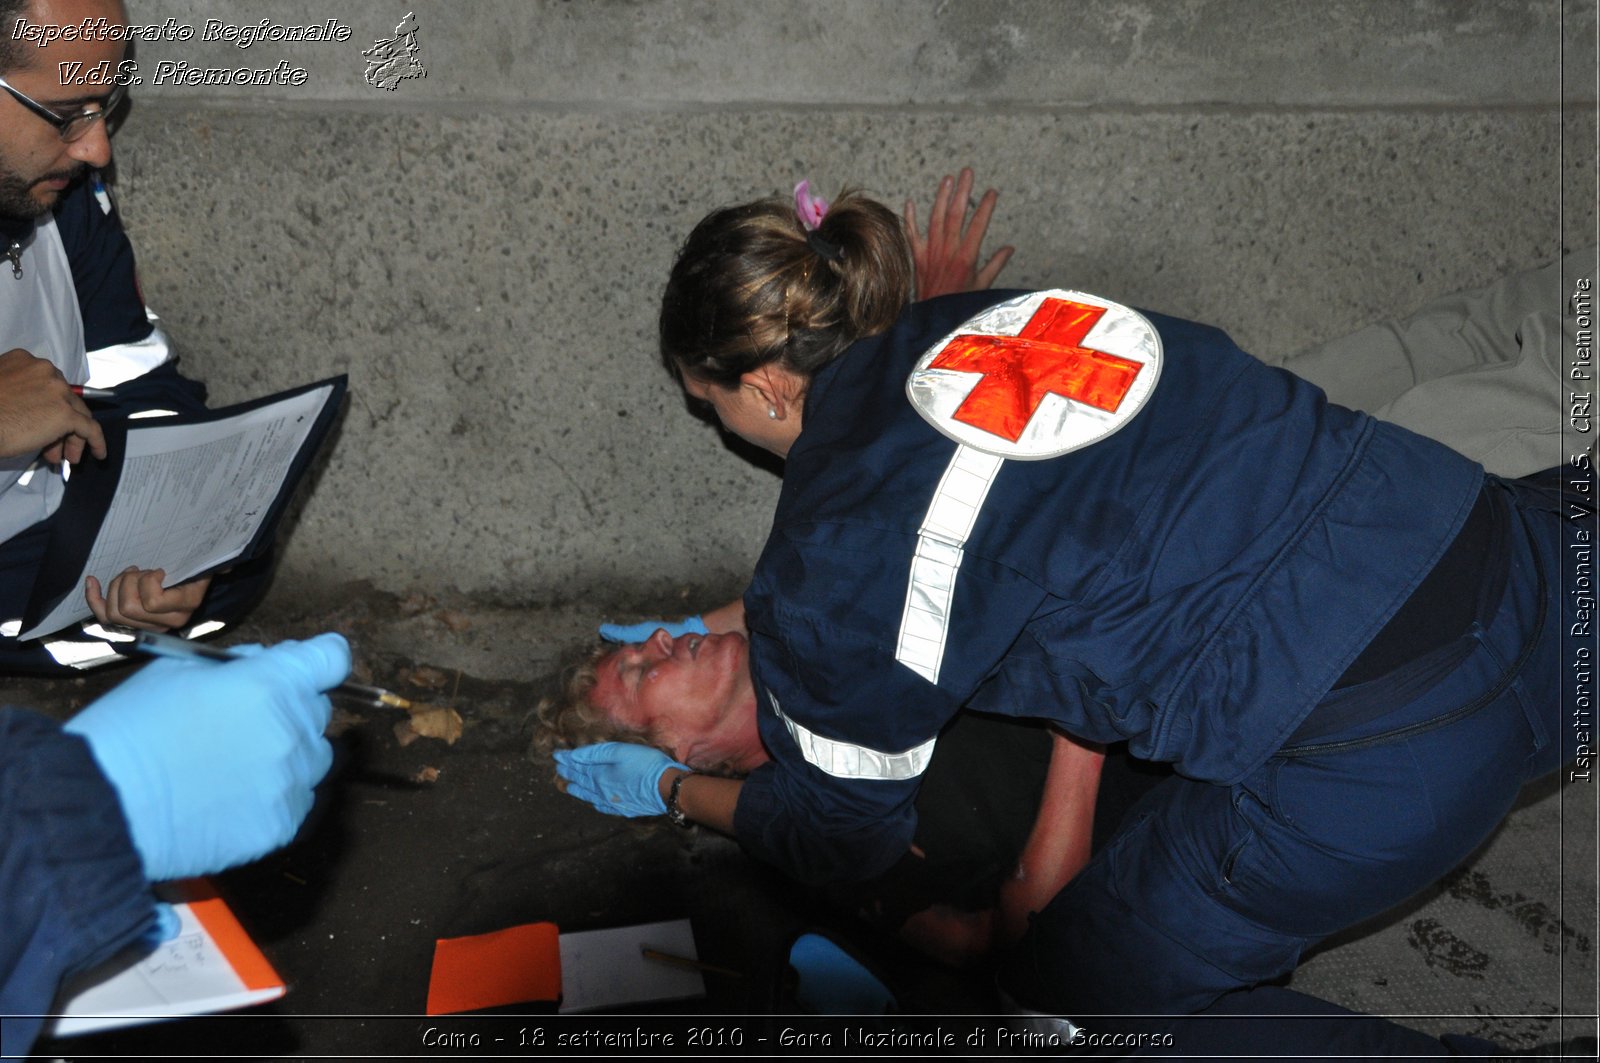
{"points": [[567, 719]]}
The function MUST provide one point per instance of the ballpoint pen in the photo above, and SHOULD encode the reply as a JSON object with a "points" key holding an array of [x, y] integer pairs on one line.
{"points": [[686, 963], [158, 644]]}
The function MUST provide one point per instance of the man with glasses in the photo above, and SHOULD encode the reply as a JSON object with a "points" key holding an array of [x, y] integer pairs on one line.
{"points": [[189, 767], [71, 317]]}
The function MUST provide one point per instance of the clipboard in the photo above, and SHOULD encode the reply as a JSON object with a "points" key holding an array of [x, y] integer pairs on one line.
{"points": [[189, 494], [211, 965]]}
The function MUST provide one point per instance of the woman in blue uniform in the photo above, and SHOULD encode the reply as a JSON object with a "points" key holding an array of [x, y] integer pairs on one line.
{"points": [[1345, 637]]}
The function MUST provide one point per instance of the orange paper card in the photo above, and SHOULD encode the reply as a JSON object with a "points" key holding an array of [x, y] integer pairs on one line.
{"points": [[510, 966], [209, 965], [214, 914]]}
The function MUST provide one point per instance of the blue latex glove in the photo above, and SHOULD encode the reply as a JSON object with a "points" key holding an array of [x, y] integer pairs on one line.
{"points": [[617, 778], [832, 982], [168, 925], [689, 625], [214, 761]]}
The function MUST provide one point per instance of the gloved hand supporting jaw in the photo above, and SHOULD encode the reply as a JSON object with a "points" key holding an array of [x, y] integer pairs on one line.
{"points": [[215, 762], [617, 778], [689, 625]]}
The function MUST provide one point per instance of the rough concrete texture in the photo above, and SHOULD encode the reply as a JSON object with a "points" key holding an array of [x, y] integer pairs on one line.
{"points": [[908, 53], [482, 248], [490, 285]]}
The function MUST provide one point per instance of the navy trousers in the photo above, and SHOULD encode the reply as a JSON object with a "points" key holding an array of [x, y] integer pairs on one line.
{"points": [[1213, 889]]}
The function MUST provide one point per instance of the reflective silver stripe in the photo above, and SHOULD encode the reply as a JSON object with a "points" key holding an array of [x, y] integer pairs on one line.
{"points": [[121, 362], [81, 655], [845, 761], [86, 655], [956, 503]]}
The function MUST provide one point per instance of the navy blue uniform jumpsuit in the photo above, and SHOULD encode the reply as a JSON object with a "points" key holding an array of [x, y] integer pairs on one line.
{"points": [[1199, 583]]}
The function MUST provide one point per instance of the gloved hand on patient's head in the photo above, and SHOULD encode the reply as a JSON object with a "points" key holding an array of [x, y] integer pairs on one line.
{"points": [[617, 778], [689, 625]]}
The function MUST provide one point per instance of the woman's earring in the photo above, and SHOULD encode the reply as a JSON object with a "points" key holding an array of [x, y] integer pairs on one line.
{"points": [[772, 412]]}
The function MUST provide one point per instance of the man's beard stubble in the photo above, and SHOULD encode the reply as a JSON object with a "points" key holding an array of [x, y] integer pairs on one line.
{"points": [[17, 201]]}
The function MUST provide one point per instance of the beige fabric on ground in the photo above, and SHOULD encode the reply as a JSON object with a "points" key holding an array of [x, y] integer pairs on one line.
{"points": [[1484, 371]]}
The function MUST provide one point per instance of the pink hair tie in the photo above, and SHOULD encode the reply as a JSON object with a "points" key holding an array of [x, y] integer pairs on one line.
{"points": [[810, 209]]}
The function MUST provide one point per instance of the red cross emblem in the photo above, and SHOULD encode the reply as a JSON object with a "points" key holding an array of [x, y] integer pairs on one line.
{"points": [[1046, 357]]}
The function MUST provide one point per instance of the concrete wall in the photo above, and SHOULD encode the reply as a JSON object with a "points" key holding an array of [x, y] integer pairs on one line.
{"points": [[482, 249]]}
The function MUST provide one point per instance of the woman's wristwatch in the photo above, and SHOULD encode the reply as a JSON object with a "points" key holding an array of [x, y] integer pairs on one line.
{"points": [[674, 812]]}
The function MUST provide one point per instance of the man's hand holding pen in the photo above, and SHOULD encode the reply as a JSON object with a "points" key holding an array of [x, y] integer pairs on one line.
{"points": [[40, 413]]}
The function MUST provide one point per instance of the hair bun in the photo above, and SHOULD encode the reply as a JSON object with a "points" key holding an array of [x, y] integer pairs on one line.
{"points": [[832, 252]]}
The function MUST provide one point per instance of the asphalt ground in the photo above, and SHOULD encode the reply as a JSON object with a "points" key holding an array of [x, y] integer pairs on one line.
{"points": [[387, 864]]}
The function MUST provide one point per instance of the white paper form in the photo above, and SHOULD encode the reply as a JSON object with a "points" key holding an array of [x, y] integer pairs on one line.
{"points": [[193, 973], [605, 969], [192, 496]]}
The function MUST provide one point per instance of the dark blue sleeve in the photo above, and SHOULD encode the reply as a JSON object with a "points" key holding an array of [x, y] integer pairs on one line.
{"points": [[102, 268], [831, 675], [822, 830], [824, 611], [72, 888]]}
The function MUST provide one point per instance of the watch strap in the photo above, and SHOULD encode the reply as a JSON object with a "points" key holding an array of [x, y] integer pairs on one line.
{"points": [[674, 812]]}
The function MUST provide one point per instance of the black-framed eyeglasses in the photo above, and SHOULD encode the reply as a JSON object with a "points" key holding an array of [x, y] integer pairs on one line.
{"points": [[73, 126]]}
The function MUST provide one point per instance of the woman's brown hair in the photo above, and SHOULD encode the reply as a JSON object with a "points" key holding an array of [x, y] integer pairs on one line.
{"points": [[749, 289]]}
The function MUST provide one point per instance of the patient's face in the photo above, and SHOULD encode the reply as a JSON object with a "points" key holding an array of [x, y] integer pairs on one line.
{"points": [[692, 694]]}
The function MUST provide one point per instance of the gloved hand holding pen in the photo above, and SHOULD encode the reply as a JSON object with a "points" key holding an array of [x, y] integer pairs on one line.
{"points": [[214, 762]]}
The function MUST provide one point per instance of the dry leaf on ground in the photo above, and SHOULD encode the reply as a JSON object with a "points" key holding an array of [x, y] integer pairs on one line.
{"points": [[454, 619], [414, 603], [425, 677], [429, 722]]}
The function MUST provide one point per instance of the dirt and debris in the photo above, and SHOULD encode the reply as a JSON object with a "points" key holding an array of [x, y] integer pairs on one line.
{"points": [[423, 676], [477, 835], [414, 603], [472, 826], [342, 721], [454, 619]]}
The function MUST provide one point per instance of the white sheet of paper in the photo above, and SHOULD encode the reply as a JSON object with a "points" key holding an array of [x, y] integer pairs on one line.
{"points": [[188, 975], [192, 496], [604, 969]]}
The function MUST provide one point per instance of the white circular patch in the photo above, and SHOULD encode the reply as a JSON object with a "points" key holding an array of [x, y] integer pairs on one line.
{"points": [[1038, 376]]}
